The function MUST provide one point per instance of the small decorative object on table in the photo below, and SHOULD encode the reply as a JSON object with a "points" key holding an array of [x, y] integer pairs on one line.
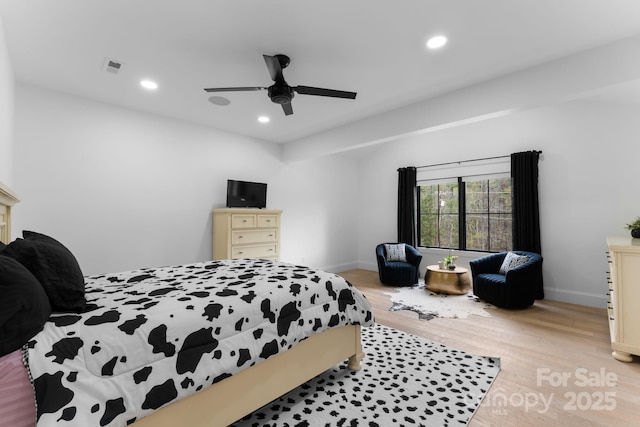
{"points": [[634, 227], [449, 261]]}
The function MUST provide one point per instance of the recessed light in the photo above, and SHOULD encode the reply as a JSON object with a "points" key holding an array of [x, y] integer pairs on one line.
{"points": [[148, 84], [263, 119], [436, 42]]}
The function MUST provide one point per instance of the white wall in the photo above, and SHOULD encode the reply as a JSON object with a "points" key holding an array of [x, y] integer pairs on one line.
{"points": [[587, 182], [124, 189], [6, 112], [319, 197]]}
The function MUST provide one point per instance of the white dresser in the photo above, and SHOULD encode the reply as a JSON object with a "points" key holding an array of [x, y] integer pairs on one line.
{"points": [[246, 233], [623, 307]]}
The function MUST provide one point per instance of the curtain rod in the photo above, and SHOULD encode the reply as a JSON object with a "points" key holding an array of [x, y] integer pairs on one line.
{"points": [[467, 161], [453, 177]]}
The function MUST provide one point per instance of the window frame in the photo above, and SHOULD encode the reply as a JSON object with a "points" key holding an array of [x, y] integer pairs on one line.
{"points": [[462, 210]]}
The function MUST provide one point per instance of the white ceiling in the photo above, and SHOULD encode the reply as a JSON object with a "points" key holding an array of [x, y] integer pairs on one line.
{"points": [[373, 47]]}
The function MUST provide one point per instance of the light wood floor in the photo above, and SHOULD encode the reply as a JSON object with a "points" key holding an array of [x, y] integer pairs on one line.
{"points": [[537, 346]]}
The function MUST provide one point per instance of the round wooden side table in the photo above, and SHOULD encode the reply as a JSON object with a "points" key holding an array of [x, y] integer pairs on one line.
{"points": [[456, 282]]}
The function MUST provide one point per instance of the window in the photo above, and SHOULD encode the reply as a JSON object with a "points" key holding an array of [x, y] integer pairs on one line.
{"points": [[470, 213], [439, 215]]}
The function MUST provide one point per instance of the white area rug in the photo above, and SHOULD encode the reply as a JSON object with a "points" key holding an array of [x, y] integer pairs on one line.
{"points": [[430, 305], [405, 380]]}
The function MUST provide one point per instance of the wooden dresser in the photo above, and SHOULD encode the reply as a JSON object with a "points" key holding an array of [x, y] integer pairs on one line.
{"points": [[246, 233], [7, 199], [623, 307]]}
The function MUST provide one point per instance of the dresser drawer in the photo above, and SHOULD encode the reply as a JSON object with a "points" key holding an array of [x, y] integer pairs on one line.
{"points": [[267, 221], [256, 251], [240, 237], [246, 233], [243, 221]]}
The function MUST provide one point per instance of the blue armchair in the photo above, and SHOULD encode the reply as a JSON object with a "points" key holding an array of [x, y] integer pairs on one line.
{"points": [[515, 289], [398, 273]]}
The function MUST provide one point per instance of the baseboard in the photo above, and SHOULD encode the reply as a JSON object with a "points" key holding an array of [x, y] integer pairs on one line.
{"points": [[576, 297], [372, 266], [337, 268]]}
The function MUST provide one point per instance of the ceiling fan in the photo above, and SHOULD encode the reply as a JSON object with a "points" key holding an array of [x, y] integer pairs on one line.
{"points": [[280, 92]]}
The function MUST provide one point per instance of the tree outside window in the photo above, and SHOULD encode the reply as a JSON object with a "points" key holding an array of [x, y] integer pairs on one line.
{"points": [[481, 207]]}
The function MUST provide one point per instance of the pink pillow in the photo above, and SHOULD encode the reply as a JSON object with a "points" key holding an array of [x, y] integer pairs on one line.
{"points": [[17, 401]]}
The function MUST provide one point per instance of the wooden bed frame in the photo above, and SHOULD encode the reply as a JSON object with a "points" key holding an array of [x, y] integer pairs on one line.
{"points": [[234, 397], [244, 392]]}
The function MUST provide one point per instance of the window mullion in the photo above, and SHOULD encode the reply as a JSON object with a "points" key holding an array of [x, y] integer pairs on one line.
{"points": [[418, 213], [462, 213], [438, 235], [488, 216]]}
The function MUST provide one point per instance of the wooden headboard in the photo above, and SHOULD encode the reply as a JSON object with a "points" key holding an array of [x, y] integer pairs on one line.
{"points": [[7, 199]]}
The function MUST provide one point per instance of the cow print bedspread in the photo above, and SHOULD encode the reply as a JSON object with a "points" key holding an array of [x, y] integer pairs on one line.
{"points": [[153, 336]]}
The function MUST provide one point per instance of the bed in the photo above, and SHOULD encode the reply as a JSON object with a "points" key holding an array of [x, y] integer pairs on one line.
{"points": [[201, 373]]}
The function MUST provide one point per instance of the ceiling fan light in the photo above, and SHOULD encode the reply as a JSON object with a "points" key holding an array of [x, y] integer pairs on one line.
{"points": [[436, 42], [281, 93], [263, 119]]}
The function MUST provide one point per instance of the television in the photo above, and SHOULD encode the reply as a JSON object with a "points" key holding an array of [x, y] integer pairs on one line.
{"points": [[244, 194]]}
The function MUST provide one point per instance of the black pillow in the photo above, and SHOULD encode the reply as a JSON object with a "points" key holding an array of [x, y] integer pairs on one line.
{"points": [[2, 246], [54, 266], [24, 306], [32, 235]]}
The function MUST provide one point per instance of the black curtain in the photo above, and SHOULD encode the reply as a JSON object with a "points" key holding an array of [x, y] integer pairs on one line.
{"points": [[407, 205], [526, 215]]}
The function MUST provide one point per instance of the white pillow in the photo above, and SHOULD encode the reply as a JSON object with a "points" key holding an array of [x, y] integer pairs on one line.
{"points": [[395, 252], [511, 261]]}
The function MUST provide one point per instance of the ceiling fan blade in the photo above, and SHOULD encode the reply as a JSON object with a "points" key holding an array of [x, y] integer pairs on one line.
{"points": [[233, 89], [287, 108], [308, 90], [275, 70]]}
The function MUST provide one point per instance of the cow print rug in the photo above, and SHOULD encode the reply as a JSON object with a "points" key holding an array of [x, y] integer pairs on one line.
{"points": [[430, 305], [405, 381]]}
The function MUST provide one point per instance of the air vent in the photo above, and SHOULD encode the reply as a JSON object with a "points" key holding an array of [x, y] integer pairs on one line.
{"points": [[112, 66]]}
